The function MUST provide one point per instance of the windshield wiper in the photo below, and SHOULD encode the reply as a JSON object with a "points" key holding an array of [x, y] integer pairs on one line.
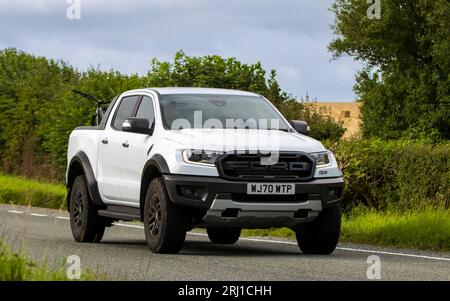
{"points": [[282, 130]]}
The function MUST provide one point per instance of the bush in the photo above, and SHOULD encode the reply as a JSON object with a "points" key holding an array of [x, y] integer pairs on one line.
{"points": [[323, 126], [20, 191], [398, 175], [15, 267]]}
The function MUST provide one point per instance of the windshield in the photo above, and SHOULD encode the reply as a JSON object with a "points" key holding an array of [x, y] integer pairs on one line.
{"points": [[181, 111]]}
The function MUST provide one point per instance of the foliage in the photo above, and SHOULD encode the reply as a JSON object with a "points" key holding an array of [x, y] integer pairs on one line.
{"points": [[20, 191], [210, 71], [396, 175], [16, 267], [38, 109], [323, 126], [405, 86], [427, 229]]}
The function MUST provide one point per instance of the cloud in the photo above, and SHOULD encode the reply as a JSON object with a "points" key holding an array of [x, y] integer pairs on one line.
{"points": [[290, 36]]}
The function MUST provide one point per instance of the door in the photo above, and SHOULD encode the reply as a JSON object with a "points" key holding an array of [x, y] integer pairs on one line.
{"points": [[134, 154], [110, 147]]}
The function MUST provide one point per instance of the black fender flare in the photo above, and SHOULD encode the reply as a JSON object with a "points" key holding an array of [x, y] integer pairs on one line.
{"points": [[159, 162], [82, 159], [155, 166]]}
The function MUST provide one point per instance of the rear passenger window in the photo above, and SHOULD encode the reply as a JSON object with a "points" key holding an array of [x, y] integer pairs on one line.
{"points": [[146, 110], [125, 110]]}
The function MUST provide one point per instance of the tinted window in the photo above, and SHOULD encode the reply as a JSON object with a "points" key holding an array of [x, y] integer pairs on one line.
{"points": [[146, 110], [125, 111], [248, 111]]}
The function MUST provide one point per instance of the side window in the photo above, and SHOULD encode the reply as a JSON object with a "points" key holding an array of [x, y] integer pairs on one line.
{"points": [[125, 110], [146, 110]]}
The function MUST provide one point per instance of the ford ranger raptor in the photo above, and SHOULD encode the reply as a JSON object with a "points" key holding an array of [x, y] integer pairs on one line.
{"points": [[183, 158]]}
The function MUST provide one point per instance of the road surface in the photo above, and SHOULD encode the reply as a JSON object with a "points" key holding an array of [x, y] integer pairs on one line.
{"points": [[44, 234]]}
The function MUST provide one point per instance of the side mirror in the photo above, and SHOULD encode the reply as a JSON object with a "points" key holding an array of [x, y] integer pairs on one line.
{"points": [[137, 125], [300, 126]]}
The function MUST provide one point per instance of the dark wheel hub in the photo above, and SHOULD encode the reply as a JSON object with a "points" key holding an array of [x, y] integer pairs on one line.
{"points": [[154, 221], [78, 209]]}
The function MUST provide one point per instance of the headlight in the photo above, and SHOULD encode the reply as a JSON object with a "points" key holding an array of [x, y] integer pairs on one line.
{"points": [[321, 159], [201, 157]]}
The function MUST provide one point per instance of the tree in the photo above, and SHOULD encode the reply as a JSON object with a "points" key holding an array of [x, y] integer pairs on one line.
{"points": [[212, 71], [217, 72], [405, 85]]}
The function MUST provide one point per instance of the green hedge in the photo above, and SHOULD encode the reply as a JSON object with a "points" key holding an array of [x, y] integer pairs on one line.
{"points": [[397, 175], [20, 191]]}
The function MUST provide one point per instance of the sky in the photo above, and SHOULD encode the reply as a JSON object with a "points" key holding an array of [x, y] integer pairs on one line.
{"points": [[290, 36]]}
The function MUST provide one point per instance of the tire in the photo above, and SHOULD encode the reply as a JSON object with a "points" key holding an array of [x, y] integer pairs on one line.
{"points": [[87, 226], [165, 224], [322, 234], [227, 236]]}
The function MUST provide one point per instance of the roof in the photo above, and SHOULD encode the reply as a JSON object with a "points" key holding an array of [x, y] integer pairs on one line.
{"points": [[176, 90]]}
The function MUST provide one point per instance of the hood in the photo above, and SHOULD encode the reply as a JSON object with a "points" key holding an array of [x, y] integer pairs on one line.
{"points": [[241, 139]]}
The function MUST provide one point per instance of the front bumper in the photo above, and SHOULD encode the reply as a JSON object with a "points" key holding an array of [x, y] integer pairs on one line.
{"points": [[225, 203]]}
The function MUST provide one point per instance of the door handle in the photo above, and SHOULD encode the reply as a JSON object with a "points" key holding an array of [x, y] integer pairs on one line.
{"points": [[105, 140], [125, 144]]}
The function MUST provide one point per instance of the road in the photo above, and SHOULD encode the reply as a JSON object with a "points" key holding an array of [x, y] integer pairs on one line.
{"points": [[44, 234]]}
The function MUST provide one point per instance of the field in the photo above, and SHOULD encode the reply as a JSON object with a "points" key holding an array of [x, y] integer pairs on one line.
{"points": [[347, 112]]}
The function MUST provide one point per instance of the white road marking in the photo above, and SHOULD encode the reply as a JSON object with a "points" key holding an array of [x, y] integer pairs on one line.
{"points": [[344, 249], [268, 240], [128, 226], [395, 254], [39, 215]]}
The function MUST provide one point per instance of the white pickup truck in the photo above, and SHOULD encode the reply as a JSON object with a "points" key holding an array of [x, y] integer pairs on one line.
{"points": [[184, 158]]}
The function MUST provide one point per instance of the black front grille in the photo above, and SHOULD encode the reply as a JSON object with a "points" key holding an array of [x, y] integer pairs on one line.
{"points": [[289, 167]]}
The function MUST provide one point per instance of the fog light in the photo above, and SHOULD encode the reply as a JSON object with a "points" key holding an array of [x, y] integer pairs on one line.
{"points": [[191, 192], [334, 194]]}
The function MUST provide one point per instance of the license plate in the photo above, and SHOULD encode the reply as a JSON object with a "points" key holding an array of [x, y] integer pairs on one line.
{"points": [[271, 189]]}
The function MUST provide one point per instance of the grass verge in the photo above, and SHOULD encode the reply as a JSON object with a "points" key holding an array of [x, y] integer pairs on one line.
{"points": [[15, 267], [21, 191], [427, 230], [424, 230]]}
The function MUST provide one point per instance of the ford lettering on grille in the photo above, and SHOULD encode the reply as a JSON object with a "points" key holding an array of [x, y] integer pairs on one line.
{"points": [[289, 167]]}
